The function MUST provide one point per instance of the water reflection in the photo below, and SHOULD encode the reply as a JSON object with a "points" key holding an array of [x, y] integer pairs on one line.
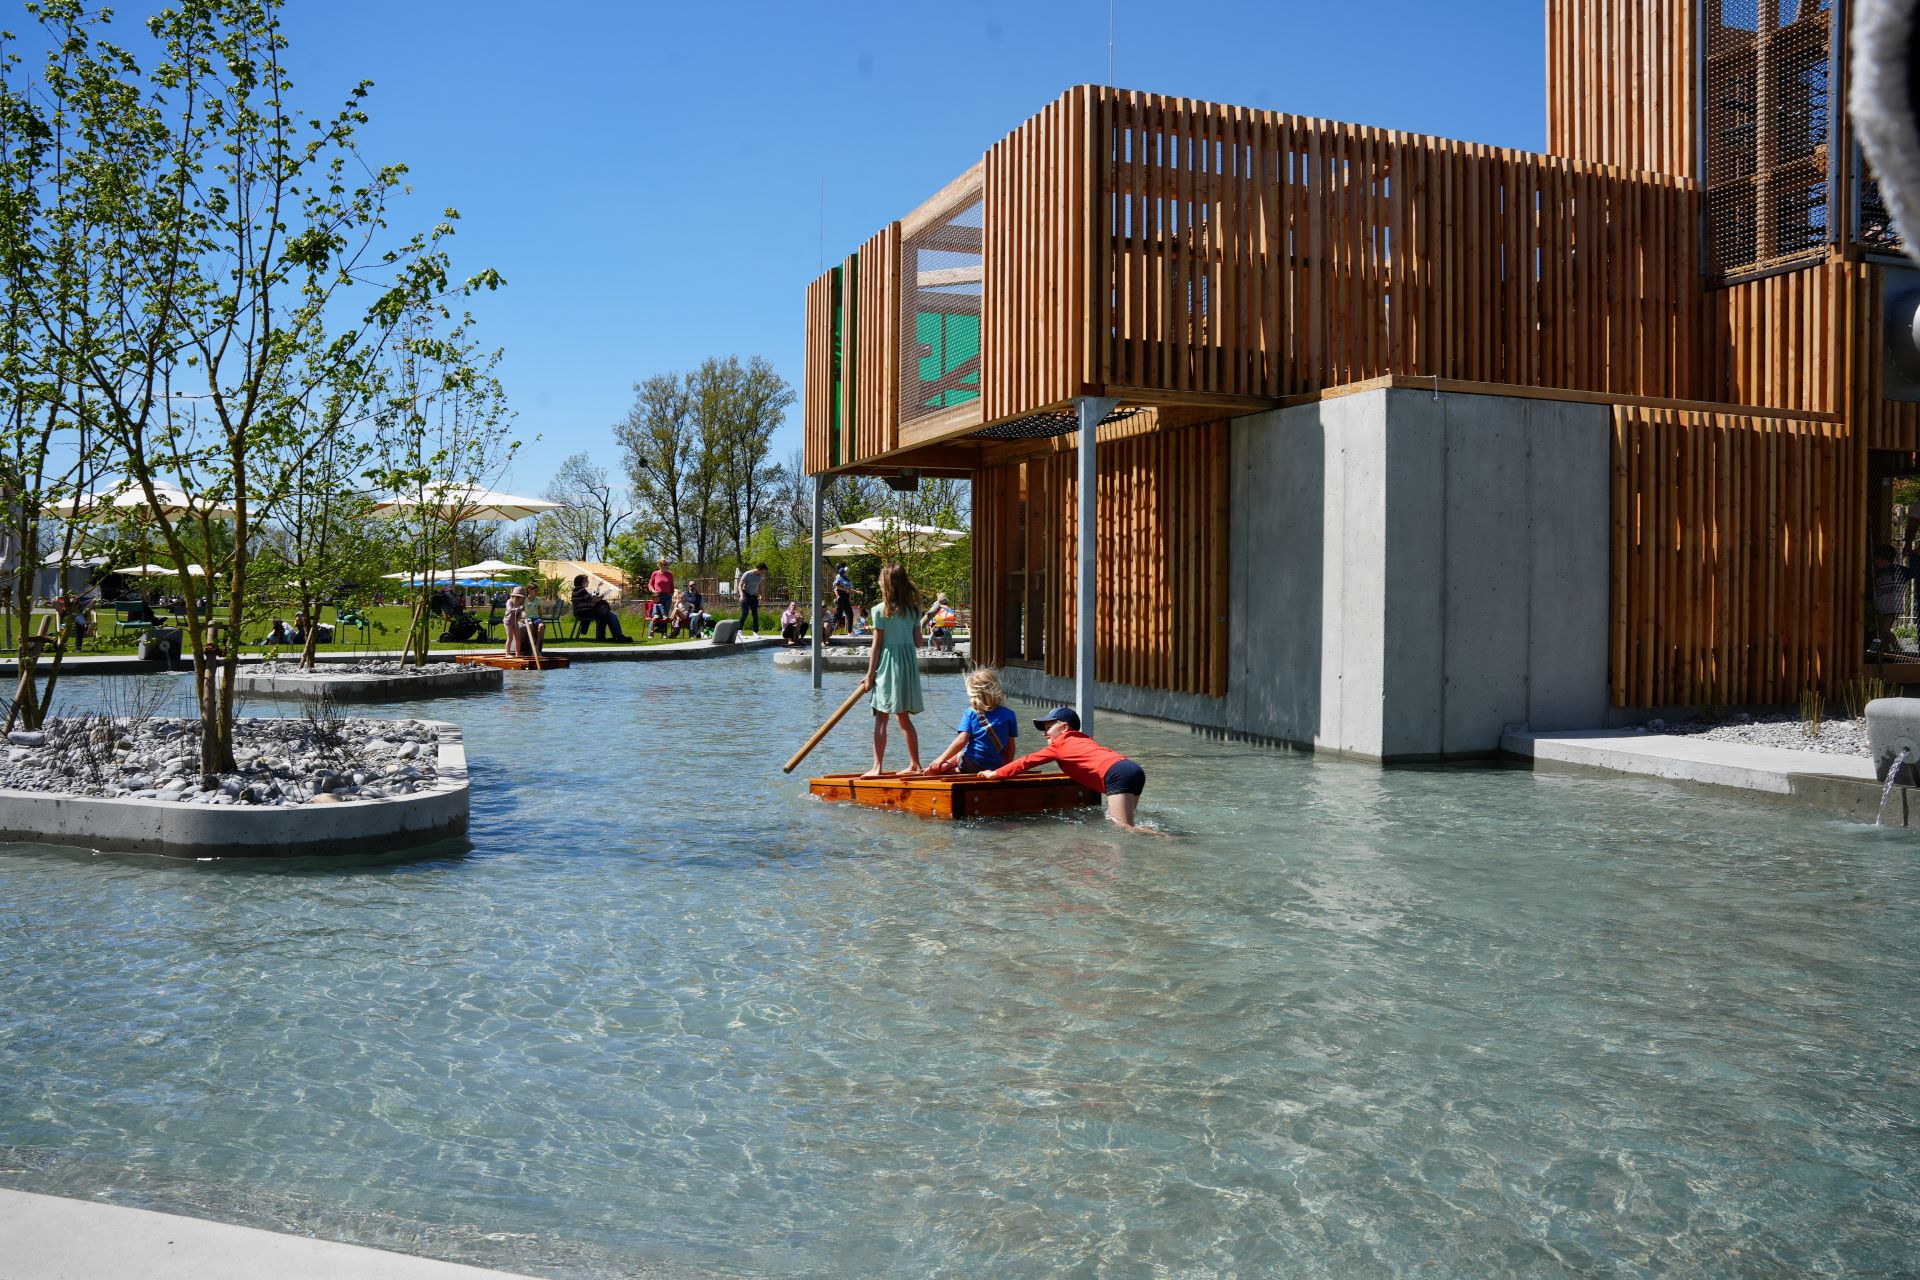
{"points": [[668, 1010]]}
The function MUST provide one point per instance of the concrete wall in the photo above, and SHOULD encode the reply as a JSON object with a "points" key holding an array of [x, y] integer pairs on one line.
{"points": [[1411, 574]]}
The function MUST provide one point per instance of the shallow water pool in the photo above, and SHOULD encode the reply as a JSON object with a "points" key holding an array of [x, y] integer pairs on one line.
{"points": [[669, 1015]]}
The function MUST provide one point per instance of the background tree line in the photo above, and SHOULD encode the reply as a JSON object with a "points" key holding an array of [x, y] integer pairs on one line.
{"points": [[702, 490]]}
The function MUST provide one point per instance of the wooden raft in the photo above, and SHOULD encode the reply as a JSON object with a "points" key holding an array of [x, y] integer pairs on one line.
{"points": [[958, 795], [510, 664]]}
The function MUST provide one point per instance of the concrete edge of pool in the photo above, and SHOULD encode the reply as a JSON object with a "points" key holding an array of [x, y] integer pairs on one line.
{"points": [[123, 824], [370, 688], [119, 665], [58, 1238], [1840, 784]]}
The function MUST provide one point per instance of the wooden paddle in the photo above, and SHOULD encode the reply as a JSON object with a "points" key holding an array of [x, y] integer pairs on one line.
{"points": [[824, 729]]}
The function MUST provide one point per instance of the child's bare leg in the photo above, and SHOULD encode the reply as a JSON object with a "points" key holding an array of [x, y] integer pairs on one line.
{"points": [[913, 743], [879, 745], [1121, 808]]}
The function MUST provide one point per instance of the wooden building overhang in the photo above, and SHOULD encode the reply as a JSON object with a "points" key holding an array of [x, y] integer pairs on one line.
{"points": [[1203, 261]]}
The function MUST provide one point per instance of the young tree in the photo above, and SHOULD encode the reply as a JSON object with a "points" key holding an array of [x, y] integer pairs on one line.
{"points": [[738, 408], [50, 451], [593, 510], [224, 235], [321, 513], [660, 446], [441, 433]]}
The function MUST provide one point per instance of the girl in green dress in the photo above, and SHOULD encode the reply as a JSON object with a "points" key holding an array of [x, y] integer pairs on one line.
{"points": [[893, 667]]}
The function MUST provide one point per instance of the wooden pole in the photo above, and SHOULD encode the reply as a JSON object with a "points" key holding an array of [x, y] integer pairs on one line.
{"points": [[824, 729]]}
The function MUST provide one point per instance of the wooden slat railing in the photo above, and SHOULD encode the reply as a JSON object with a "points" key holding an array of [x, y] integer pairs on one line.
{"points": [[1168, 251], [1260, 254]]}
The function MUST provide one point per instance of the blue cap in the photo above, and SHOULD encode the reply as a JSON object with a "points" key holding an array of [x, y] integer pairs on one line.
{"points": [[1065, 715]]}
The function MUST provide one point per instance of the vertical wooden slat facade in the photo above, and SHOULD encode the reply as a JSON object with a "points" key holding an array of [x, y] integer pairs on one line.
{"points": [[1209, 259], [1161, 547], [1620, 84], [1734, 578], [1261, 255], [876, 347], [1163, 250], [1035, 308]]}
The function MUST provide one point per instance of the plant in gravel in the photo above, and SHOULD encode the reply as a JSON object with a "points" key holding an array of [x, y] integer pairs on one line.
{"points": [[326, 729], [1858, 693], [1813, 705]]}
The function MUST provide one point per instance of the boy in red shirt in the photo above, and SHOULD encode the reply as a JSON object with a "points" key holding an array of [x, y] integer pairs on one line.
{"points": [[1085, 761]]}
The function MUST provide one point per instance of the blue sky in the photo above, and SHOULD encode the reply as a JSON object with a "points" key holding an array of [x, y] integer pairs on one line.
{"points": [[649, 178]]}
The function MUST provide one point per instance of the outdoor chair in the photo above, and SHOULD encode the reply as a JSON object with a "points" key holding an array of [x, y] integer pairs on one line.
{"points": [[130, 619], [349, 619]]}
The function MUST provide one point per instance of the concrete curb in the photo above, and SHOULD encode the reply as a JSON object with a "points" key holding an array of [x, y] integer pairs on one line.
{"points": [[126, 824], [801, 660], [56, 1238], [1839, 784], [347, 687]]}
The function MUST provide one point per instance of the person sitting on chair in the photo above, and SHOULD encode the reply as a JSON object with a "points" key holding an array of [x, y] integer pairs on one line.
{"points": [[591, 607], [699, 621], [940, 621]]}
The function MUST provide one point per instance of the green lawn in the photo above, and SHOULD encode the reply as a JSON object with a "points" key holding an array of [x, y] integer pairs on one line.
{"points": [[388, 625]]}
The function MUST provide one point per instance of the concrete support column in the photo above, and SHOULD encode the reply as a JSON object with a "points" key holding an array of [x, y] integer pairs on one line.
{"points": [[814, 664], [1092, 410]]}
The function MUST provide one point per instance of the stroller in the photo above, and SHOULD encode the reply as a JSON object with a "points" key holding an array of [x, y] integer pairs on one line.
{"points": [[461, 625]]}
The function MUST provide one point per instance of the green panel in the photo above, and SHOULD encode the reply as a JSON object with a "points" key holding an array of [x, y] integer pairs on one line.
{"points": [[840, 358], [952, 342]]}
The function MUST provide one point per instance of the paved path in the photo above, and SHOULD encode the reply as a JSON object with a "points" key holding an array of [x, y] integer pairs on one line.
{"points": [[1690, 759], [54, 1238]]}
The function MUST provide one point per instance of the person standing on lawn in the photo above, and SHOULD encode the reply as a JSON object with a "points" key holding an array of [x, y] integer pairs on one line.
{"points": [[660, 582], [750, 583]]}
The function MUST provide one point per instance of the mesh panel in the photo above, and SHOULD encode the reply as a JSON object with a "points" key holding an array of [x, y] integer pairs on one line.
{"points": [[1041, 425], [941, 269], [1874, 227], [1767, 107]]}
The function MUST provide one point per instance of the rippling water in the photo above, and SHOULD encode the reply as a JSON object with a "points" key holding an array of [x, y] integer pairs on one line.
{"points": [[668, 1015]]}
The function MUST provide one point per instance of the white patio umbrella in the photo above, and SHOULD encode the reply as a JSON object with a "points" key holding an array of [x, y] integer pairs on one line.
{"points": [[159, 571], [435, 575], [457, 503], [128, 499], [856, 539], [487, 568]]}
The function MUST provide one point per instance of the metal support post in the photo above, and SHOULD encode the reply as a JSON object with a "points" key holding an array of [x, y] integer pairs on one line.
{"points": [[1092, 410]]}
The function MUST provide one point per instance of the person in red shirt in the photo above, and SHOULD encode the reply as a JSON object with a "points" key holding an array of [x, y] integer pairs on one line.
{"points": [[661, 584], [1093, 766]]}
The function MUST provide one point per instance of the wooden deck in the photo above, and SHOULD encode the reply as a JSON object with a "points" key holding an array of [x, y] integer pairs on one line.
{"points": [[510, 664], [958, 795]]}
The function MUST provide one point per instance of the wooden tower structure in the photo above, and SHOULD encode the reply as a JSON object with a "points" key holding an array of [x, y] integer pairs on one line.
{"points": [[1701, 251]]}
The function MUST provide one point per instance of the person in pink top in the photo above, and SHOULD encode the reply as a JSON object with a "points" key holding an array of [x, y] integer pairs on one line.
{"points": [[660, 582], [1093, 766]]}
